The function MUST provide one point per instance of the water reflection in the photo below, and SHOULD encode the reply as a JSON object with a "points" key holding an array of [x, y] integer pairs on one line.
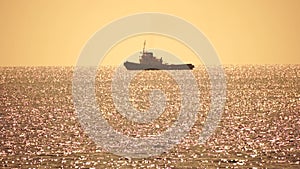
{"points": [[259, 127]]}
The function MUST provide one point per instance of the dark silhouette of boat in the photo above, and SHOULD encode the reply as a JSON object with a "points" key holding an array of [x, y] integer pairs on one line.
{"points": [[150, 62]]}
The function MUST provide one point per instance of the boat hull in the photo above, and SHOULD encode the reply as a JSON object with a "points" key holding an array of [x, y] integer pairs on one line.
{"points": [[137, 66]]}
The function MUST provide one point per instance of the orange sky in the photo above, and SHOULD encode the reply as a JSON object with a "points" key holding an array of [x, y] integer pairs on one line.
{"points": [[35, 33]]}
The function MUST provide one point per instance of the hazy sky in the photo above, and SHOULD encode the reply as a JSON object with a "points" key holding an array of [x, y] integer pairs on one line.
{"points": [[53, 32]]}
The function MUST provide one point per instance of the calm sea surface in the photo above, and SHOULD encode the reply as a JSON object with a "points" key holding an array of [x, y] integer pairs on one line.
{"points": [[260, 126]]}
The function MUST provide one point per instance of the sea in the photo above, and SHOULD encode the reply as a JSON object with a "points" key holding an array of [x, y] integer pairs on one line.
{"points": [[259, 125]]}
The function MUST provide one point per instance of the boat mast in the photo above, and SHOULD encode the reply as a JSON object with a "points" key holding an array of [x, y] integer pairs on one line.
{"points": [[144, 46]]}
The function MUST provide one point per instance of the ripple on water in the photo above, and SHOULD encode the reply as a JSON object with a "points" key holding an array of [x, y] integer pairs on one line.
{"points": [[259, 127]]}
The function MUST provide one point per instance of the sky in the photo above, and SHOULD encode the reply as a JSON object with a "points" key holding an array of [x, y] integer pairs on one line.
{"points": [[53, 33]]}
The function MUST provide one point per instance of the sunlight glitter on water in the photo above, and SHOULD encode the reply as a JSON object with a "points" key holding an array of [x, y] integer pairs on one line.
{"points": [[259, 127]]}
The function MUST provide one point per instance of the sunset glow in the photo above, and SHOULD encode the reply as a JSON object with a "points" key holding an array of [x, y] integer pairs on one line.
{"points": [[52, 33]]}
